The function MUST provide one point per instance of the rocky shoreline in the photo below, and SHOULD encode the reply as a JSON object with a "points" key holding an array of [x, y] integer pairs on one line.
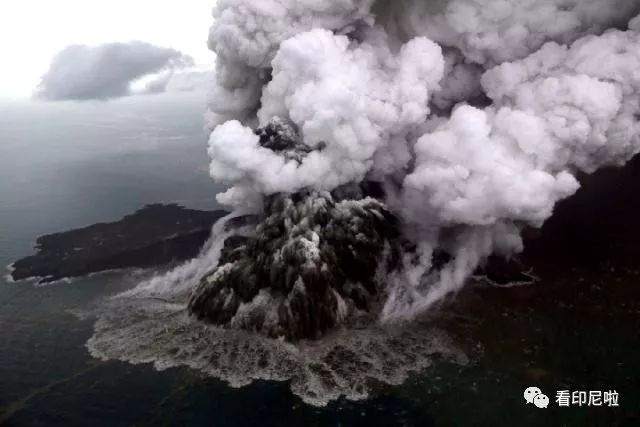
{"points": [[155, 235]]}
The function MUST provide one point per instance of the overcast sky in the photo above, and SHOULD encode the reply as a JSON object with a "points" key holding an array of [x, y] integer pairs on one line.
{"points": [[33, 31]]}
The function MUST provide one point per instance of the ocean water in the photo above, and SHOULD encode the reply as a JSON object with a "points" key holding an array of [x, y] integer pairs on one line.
{"points": [[69, 165]]}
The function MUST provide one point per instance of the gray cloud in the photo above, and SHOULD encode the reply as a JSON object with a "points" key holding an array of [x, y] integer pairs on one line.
{"points": [[106, 71]]}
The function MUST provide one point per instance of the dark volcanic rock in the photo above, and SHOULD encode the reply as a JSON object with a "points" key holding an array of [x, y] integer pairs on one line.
{"points": [[154, 235], [282, 137], [311, 266]]}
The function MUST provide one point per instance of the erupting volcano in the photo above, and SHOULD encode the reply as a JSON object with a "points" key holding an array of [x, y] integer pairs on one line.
{"points": [[377, 154], [399, 144], [315, 260]]}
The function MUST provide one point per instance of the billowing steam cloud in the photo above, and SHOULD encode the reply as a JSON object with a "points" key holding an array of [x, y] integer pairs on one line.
{"points": [[107, 71], [473, 115]]}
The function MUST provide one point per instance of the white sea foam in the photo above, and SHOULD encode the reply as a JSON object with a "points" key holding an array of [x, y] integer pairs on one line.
{"points": [[8, 278], [345, 363]]}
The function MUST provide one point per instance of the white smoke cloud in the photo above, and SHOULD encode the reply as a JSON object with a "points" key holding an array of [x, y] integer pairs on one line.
{"points": [[490, 32], [250, 32], [246, 36], [480, 113], [110, 70], [557, 111], [363, 96]]}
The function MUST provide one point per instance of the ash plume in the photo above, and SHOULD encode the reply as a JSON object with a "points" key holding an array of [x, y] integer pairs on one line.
{"points": [[472, 117]]}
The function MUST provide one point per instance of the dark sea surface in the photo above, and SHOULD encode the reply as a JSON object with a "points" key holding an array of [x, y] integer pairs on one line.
{"points": [[64, 166]]}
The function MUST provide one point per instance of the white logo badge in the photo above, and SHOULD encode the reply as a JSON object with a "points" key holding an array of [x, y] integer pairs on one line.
{"points": [[531, 393], [541, 401], [534, 395]]}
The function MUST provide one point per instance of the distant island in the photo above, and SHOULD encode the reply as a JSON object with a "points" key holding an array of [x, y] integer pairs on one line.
{"points": [[155, 235]]}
